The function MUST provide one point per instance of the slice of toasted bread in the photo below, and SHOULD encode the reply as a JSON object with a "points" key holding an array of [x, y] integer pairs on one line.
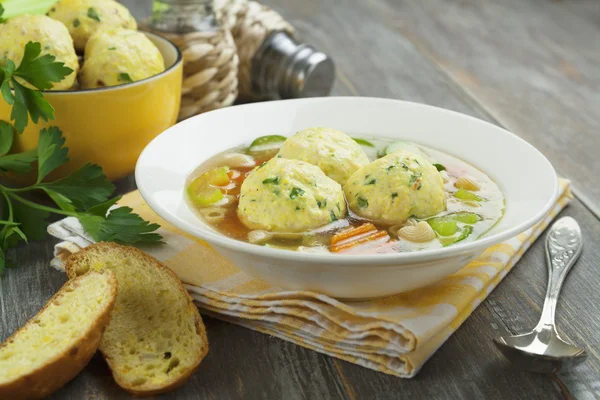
{"points": [[156, 338], [55, 345]]}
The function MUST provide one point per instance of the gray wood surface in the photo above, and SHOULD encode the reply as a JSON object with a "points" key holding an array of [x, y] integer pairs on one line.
{"points": [[500, 61]]}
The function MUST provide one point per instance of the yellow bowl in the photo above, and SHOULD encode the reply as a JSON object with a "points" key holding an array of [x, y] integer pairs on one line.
{"points": [[111, 126]]}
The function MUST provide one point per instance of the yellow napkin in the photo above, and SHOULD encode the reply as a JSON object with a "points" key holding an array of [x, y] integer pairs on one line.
{"points": [[395, 335]]}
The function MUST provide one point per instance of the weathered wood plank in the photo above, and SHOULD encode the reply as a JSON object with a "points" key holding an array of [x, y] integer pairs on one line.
{"points": [[532, 65]]}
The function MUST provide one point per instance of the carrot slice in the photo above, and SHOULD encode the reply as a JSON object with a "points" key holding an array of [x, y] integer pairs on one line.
{"points": [[359, 241], [348, 233]]}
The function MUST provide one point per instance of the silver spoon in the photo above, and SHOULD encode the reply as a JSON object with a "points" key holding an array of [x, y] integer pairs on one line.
{"points": [[543, 350]]}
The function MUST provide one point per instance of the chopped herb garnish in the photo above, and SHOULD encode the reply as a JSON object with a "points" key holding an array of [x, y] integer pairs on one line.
{"points": [[412, 180], [76, 22], [297, 208], [404, 166], [91, 13], [322, 204], [332, 216], [419, 186], [362, 203], [394, 195], [296, 192], [439, 167], [112, 48], [277, 192], [262, 165], [389, 168], [124, 77], [271, 181], [371, 182]]}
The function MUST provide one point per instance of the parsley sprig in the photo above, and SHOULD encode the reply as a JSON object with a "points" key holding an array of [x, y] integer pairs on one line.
{"points": [[85, 194]]}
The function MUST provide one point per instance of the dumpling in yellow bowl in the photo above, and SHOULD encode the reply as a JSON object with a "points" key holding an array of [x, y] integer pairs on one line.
{"points": [[116, 56], [53, 37], [84, 17]]}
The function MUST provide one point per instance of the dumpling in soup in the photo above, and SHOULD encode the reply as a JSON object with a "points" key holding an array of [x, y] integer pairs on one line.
{"points": [[395, 187], [337, 154], [289, 196]]}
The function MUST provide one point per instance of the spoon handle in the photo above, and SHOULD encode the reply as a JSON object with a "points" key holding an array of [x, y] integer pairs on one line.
{"points": [[563, 248]]}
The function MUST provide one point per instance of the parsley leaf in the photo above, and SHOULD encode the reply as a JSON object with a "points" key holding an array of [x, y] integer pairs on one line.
{"points": [[296, 192], [6, 137], [83, 189], [439, 167], [121, 226], [18, 162], [332, 216], [40, 71], [2, 20], [31, 220], [76, 22], [91, 13], [124, 77], [32, 101], [51, 153], [362, 203], [5, 75], [274, 181]]}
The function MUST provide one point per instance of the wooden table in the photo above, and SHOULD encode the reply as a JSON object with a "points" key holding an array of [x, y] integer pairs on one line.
{"points": [[530, 66]]}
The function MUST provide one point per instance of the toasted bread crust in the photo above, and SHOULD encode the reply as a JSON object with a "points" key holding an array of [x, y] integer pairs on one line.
{"points": [[70, 268], [60, 370]]}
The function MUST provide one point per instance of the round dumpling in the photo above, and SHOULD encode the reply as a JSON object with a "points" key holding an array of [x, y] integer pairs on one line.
{"points": [[289, 196], [53, 37], [395, 187], [337, 154], [84, 17], [116, 56]]}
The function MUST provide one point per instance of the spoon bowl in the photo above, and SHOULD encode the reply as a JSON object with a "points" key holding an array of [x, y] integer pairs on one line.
{"points": [[543, 350]]}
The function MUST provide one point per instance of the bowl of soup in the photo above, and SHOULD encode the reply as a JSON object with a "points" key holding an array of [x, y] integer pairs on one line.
{"points": [[354, 198]]}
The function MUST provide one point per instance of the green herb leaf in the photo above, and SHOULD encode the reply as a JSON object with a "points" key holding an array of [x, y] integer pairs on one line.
{"points": [[18, 162], [51, 153], [6, 74], [91, 13], [2, 20], [332, 216], [272, 181], [394, 195], [32, 220], [121, 226], [40, 71], [439, 167], [84, 188], [102, 208], [296, 192], [32, 101], [76, 22], [371, 182], [112, 48], [7, 134], [124, 77], [362, 203]]}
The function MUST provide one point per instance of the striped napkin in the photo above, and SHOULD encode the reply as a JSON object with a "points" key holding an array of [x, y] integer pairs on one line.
{"points": [[395, 335]]}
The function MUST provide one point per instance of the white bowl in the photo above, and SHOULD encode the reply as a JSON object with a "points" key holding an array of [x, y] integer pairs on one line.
{"points": [[525, 176]]}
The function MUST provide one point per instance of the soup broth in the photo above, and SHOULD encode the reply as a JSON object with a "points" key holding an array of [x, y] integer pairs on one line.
{"points": [[474, 204]]}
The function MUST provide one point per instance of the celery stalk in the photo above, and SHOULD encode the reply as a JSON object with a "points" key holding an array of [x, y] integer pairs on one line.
{"points": [[18, 7]]}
